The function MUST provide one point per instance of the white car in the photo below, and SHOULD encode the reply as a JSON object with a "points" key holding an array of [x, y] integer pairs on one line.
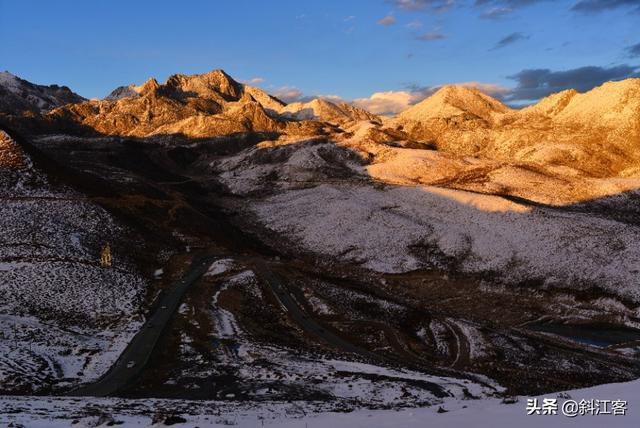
{"points": [[131, 364]]}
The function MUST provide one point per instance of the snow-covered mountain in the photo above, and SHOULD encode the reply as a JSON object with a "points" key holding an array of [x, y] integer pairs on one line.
{"points": [[18, 96]]}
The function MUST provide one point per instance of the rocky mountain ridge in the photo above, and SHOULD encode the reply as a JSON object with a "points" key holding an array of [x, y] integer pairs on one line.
{"points": [[594, 134], [204, 105], [22, 97]]}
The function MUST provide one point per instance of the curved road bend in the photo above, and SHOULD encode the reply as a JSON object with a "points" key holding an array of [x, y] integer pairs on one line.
{"points": [[138, 351], [300, 317]]}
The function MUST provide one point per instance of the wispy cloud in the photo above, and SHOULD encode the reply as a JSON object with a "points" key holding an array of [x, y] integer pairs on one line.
{"points": [[496, 9], [510, 39], [430, 5], [595, 6], [387, 20], [512, 4], [430, 36], [634, 50], [496, 13]]}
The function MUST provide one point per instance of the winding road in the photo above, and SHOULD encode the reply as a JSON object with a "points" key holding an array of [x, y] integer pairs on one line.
{"points": [[297, 314], [132, 361]]}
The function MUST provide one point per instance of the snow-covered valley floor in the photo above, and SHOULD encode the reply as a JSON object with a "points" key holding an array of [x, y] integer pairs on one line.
{"points": [[54, 412]]}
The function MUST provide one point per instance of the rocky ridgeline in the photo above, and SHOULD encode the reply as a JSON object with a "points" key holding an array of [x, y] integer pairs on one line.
{"points": [[18, 96], [594, 134]]}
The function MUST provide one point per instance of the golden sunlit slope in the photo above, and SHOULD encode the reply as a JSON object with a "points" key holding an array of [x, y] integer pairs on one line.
{"points": [[454, 101], [11, 155], [549, 152], [203, 105], [596, 133]]}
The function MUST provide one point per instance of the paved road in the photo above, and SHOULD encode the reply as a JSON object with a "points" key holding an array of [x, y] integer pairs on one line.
{"points": [[297, 314], [123, 372], [300, 317]]}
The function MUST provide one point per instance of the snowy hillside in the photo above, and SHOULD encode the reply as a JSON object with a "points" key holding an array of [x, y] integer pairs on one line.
{"points": [[403, 229], [63, 318]]}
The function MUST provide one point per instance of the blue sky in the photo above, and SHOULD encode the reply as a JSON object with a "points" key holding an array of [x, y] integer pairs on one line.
{"points": [[351, 49]]}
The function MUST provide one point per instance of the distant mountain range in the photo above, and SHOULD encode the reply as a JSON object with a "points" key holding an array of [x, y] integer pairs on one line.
{"points": [[567, 137]]}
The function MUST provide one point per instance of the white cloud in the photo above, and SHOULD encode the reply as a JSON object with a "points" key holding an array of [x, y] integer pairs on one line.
{"points": [[394, 102], [385, 103], [288, 94]]}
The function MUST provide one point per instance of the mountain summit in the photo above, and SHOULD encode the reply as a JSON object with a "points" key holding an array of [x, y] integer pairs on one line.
{"points": [[201, 105], [451, 101]]}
